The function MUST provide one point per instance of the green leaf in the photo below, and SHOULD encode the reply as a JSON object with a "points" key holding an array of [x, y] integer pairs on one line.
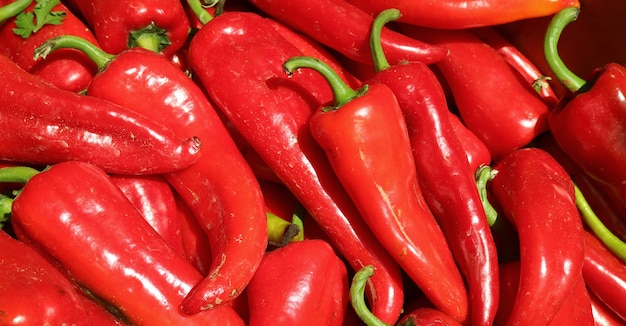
{"points": [[31, 22]]}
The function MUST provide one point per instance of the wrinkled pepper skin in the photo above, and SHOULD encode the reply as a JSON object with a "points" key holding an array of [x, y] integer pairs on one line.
{"points": [[100, 238], [33, 291], [537, 195], [42, 124], [67, 69], [302, 283], [271, 111]]}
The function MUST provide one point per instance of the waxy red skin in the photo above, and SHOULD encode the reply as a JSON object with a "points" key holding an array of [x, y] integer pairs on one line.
{"points": [[536, 194], [100, 239], [43, 124], [271, 110]]}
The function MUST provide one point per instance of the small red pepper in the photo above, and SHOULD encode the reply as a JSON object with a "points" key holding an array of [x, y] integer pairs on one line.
{"points": [[302, 283], [366, 141], [43, 124], [537, 195], [477, 153], [158, 25]]}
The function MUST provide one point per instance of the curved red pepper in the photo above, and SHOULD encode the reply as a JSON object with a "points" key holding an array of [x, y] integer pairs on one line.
{"points": [[271, 110], [301, 283], [603, 315], [345, 28], [451, 14], [366, 141], [100, 238], [477, 153], [483, 84], [158, 25], [537, 195], [67, 69], [220, 188], [444, 174], [33, 291], [42, 124], [195, 242]]}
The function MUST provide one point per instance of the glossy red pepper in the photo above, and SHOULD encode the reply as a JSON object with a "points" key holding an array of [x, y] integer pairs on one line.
{"points": [[195, 242], [427, 316], [271, 111], [477, 153], [302, 283], [537, 195], [364, 135], [67, 69], [42, 124], [443, 172], [98, 313], [587, 124], [450, 14], [603, 315], [100, 238], [223, 193], [483, 84], [158, 25], [321, 19], [33, 291]]}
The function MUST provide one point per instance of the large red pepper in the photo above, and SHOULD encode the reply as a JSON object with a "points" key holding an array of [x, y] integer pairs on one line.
{"points": [[444, 174], [366, 141], [454, 14], [33, 291], [43, 124], [483, 84], [158, 25], [302, 283], [100, 238], [220, 188], [588, 123], [345, 28], [67, 69], [271, 111], [537, 195]]}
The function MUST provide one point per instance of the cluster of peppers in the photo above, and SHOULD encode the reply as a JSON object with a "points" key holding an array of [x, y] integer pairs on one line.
{"points": [[328, 162]]}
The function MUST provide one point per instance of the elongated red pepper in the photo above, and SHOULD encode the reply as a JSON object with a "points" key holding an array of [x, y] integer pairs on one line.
{"points": [[301, 283], [443, 172], [158, 25], [195, 242], [588, 123], [366, 141], [223, 193], [483, 84], [67, 69], [477, 153], [537, 195], [42, 124], [271, 111], [33, 291], [450, 14], [603, 315], [100, 238], [322, 19]]}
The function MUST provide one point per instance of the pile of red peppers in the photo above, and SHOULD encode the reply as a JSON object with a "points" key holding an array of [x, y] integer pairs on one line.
{"points": [[327, 162]]}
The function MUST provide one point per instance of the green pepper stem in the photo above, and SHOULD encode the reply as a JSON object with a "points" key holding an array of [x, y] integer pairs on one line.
{"points": [[550, 46], [97, 55], [18, 174], [341, 91], [6, 205], [198, 9], [13, 9], [484, 175], [357, 297], [376, 47], [610, 240]]}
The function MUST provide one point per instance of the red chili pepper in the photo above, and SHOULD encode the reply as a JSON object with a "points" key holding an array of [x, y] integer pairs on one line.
{"points": [[302, 283], [603, 315], [345, 28], [450, 14], [195, 242], [98, 313], [366, 141], [483, 84], [19, 36], [537, 195], [158, 25], [223, 193], [42, 124], [477, 153], [100, 238], [443, 172], [427, 316], [271, 110], [33, 291], [588, 123]]}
